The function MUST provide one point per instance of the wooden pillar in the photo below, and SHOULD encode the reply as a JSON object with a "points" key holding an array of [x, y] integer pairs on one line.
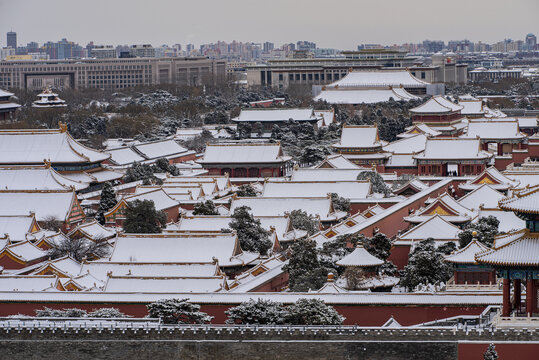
{"points": [[530, 291], [456, 277], [506, 307], [516, 293], [500, 149]]}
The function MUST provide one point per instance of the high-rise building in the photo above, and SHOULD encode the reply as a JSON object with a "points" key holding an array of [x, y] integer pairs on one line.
{"points": [[12, 39], [531, 42], [433, 46], [268, 46]]}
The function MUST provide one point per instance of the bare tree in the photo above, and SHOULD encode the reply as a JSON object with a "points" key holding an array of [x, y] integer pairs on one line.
{"points": [[80, 248], [51, 223]]}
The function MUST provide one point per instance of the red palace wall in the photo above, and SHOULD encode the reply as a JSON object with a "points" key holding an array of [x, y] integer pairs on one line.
{"points": [[363, 315], [399, 256], [183, 158]]}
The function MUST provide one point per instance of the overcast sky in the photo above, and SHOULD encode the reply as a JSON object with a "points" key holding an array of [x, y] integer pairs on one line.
{"points": [[339, 24]]}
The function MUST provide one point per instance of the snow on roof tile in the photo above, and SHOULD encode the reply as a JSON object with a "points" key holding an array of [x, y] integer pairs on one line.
{"points": [[326, 174], [435, 227], [378, 78], [16, 283], [452, 148], [359, 257], [4, 93], [16, 226], [124, 156], [493, 178], [522, 251], [177, 248], [101, 269], [65, 265], [25, 251], [243, 153], [484, 196], [466, 255], [94, 230], [493, 130], [436, 104], [129, 284], [160, 198], [43, 204], [159, 149], [363, 96], [336, 161], [526, 201], [36, 178], [359, 136], [409, 145], [471, 107], [321, 207], [508, 220], [309, 189], [255, 115], [35, 146]]}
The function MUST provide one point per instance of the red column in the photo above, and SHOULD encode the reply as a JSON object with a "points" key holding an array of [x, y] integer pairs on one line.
{"points": [[517, 293], [530, 290], [506, 309], [456, 277], [500, 150]]}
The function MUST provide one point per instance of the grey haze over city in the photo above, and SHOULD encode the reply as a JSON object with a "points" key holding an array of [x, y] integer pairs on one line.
{"points": [[338, 24]]}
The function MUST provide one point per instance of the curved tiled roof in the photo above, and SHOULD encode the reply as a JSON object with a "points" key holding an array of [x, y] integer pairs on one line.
{"points": [[466, 255], [360, 257], [525, 201], [520, 252]]}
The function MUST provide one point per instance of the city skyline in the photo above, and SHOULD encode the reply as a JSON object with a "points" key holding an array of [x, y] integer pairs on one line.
{"points": [[171, 27]]}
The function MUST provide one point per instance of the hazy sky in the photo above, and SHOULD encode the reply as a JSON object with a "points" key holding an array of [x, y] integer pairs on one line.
{"points": [[330, 23]]}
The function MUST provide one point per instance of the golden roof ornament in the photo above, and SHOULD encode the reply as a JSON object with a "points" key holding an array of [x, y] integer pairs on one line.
{"points": [[62, 126]]}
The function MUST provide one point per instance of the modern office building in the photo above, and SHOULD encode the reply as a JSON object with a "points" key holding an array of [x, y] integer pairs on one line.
{"points": [[103, 52], [110, 73], [12, 39]]}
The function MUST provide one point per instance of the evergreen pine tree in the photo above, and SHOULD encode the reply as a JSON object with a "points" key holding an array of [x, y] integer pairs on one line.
{"points": [[491, 353], [141, 217], [107, 202], [205, 208], [251, 234], [177, 311]]}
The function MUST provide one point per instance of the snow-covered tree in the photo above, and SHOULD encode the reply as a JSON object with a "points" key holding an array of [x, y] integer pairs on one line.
{"points": [[261, 311], [141, 217], [162, 165], [107, 202], [379, 245], [251, 234], [205, 208], [300, 220], [107, 313], [491, 353], [72, 312], [313, 312], [177, 311], [340, 203], [426, 266], [139, 171], [304, 268], [486, 228], [312, 154], [246, 190], [377, 182], [337, 248]]}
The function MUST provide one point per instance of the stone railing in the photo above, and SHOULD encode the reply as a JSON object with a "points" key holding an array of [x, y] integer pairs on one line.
{"points": [[522, 322]]}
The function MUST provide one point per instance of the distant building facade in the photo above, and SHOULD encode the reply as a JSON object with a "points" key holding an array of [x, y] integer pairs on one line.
{"points": [[103, 52], [12, 39], [109, 73]]}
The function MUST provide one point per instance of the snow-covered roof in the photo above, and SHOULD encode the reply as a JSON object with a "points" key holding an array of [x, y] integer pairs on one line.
{"points": [[328, 117], [309, 189], [378, 78], [521, 251], [4, 93], [122, 284], [243, 153], [436, 105], [524, 121], [322, 174], [493, 177], [409, 145], [493, 130], [17, 226], [159, 197], [101, 269], [414, 184], [124, 156], [223, 182], [525, 201], [363, 96], [44, 178], [262, 115], [419, 129], [43, 204], [359, 136], [16, 283], [471, 107], [436, 228], [508, 220], [445, 206], [259, 275], [180, 248], [159, 149], [24, 251], [64, 266], [336, 161], [330, 287], [452, 148], [484, 196], [359, 257], [35, 146], [321, 207], [93, 230], [466, 255]]}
